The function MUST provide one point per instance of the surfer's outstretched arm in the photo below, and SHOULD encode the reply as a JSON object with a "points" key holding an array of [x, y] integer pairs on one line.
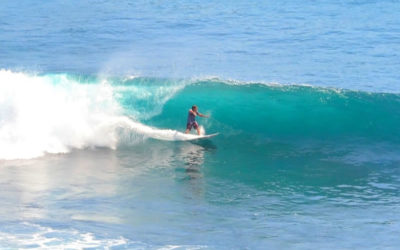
{"points": [[197, 113], [201, 115]]}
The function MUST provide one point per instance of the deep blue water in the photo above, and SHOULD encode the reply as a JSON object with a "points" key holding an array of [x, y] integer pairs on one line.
{"points": [[348, 44], [305, 96]]}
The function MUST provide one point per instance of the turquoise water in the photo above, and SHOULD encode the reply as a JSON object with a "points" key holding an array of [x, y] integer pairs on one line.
{"points": [[94, 95]]}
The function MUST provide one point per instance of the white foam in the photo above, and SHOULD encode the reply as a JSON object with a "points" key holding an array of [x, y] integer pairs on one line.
{"points": [[156, 133], [33, 236], [39, 237], [53, 114]]}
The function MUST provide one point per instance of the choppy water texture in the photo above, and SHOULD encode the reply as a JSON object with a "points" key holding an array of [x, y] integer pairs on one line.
{"points": [[93, 95]]}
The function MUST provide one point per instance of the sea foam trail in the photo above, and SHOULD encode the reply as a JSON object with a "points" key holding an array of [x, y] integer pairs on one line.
{"points": [[159, 134], [54, 113]]}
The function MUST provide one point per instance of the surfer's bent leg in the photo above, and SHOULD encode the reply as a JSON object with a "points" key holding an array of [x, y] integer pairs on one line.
{"points": [[188, 128], [196, 126]]}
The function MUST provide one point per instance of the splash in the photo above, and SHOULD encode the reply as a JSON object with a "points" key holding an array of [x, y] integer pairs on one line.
{"points": [[42, 114]]}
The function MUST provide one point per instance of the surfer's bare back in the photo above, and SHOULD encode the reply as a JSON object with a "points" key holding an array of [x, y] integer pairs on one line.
{"points": [[191, 120]]}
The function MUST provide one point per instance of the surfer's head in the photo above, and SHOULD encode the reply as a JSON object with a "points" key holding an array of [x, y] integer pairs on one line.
{"points": [[194, 108]]}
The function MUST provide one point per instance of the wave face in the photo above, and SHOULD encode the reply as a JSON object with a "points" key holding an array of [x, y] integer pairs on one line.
{"points": [[262, 124], [294, 112], [55, 113]]}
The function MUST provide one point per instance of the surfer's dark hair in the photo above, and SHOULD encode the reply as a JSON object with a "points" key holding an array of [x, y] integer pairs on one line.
{"points": [[193, 107]]}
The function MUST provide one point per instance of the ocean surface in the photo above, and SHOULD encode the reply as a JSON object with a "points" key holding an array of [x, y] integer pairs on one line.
{"points": [[94, 96]]}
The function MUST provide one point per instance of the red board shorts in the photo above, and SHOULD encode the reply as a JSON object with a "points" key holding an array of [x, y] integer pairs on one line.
{"points": [[192, 124]]}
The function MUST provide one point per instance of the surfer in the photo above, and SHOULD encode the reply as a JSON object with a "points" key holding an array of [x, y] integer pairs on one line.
{"points": [[191, 120]]}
